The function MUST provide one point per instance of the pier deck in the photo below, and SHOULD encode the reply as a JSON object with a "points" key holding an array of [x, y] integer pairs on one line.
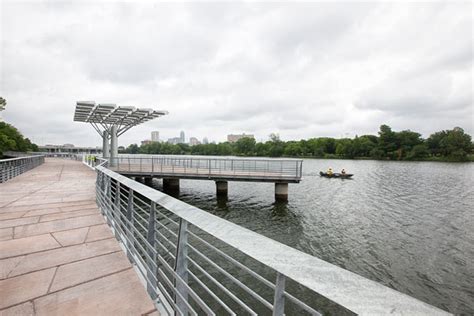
{"points": [[57, 254]]}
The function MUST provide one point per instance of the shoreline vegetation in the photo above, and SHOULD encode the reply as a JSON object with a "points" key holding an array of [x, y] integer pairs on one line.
{"points": [[12, 140], [444, 146]]}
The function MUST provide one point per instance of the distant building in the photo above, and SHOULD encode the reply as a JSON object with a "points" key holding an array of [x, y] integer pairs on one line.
{"points": [[69, 148], [174, 140], [205, 141], [194, 141], [155, 136], [146, 142], [232, 138], [181, 137]]}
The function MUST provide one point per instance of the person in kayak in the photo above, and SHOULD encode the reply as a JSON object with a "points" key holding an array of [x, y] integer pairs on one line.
{"points": [[343, 171], [329, 171]]}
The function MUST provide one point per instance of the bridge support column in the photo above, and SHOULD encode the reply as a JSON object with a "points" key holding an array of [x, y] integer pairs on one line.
{"points": [[221, 188], [281, 192], [170, 184], [149, 181]]}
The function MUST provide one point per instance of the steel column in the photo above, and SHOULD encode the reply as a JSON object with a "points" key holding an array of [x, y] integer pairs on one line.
{"points": [[113, 146], [105, 145]]}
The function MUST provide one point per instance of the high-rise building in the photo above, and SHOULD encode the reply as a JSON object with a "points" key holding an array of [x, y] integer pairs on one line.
{"points": [[232, 138], [194, 141], [182, 139], [205, 141], [155, 136]]}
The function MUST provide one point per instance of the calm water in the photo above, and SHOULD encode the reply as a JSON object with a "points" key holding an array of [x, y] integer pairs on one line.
{"points": [[408, 225]]}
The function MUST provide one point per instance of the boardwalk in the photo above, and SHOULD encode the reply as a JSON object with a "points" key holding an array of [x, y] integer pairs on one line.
{"points": [[57, 255]]}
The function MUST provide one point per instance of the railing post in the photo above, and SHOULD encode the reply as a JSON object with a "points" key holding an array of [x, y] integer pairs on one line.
{"points": [[130, 234], [151, 288], [279, 298], [181, 266]]}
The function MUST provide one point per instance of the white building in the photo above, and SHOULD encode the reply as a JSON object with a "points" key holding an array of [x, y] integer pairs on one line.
{"points": [[155, 136]]}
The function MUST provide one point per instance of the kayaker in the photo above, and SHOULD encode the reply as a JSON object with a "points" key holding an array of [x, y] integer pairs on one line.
{"points": [[329, 171], [343, 171]]}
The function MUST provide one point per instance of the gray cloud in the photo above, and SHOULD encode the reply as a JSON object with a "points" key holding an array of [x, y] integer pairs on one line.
{"points": [[298, 69]]}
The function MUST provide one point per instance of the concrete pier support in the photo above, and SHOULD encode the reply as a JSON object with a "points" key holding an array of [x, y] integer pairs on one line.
{"points": [[221, 188], [149, 181], [281, 191], [170, 184]]}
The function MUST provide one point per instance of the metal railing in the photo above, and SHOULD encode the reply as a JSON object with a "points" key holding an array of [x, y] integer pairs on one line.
{"points": [[10, 168], [16, 154], [244, 168], [197, 263]]}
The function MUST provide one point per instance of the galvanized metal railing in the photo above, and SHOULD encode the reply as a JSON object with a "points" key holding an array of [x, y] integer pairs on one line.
{"points": [[10, 168], [197, 263], [244, 168]]}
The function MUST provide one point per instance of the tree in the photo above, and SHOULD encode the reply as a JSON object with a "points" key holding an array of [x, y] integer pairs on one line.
{"points": [[245, 146], [345, 148], [387, 141], [12, 140], [293, 149], [3, 103], [132, 149], [453, 144], [418, 152], [407, 140]]}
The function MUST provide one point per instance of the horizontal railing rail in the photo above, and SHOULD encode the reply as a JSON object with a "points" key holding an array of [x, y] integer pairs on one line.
{"points": [[197, 263], [16, 154], [12, 167], [284, 169]]}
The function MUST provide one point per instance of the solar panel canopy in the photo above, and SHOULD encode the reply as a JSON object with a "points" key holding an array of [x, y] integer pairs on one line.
{"points": [[108, 115]]}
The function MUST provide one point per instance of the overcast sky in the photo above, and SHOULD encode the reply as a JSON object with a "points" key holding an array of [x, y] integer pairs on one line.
{"points": [[298, 69]]}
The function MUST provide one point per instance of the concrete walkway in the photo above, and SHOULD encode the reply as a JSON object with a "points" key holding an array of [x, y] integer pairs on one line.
{"points": [[57, 255]]}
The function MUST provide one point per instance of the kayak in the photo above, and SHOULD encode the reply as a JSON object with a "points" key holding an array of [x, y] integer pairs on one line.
{"points": [[336, 175]]}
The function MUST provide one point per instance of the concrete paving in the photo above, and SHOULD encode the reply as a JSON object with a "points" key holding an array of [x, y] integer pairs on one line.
{"points": [[57, 254]]}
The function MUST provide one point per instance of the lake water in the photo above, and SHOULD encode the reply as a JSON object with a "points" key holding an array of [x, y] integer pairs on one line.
{"points": [[407, 225]]}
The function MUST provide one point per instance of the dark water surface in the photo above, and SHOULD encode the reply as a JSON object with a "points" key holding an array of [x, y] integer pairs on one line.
{"points": [[408, 225]]}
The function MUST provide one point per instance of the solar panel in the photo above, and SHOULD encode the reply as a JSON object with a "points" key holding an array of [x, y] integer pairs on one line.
{"points": [[107, 115]]}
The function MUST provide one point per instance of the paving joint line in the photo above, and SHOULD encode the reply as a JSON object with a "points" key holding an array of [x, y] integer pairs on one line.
{"points": [[66, 288], [60, 265], [35, 252]]}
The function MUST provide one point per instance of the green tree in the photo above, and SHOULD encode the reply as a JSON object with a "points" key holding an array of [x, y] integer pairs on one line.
{"points": [[245, 146], [387, 141], [418, 152], [345, 148], [293, 149], [12, 140], [3, 103]]}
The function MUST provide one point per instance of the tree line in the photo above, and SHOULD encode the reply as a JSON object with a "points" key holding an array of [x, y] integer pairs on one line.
{"points": [[12, 140], [446, 145]]}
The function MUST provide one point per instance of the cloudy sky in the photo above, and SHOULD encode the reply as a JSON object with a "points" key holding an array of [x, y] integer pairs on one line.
{"points": [[302, 70]]}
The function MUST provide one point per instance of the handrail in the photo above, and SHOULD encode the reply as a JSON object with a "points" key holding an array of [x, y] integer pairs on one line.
{"points": [[12, 167], [211, 167], [176, 247]]}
